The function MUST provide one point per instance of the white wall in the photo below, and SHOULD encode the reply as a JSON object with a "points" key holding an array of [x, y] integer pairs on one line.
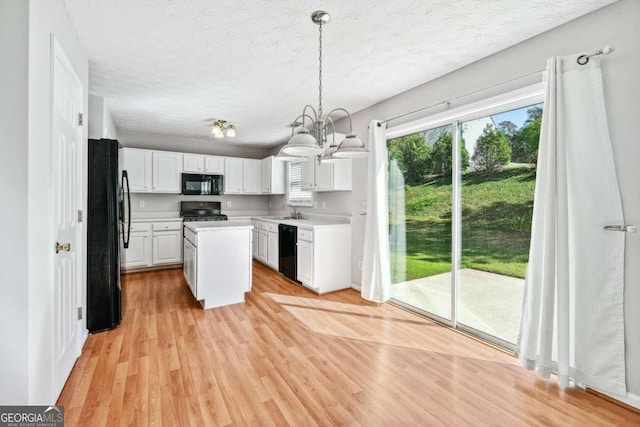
{"points": [[14, 47], [617, 24], [46, 19]]}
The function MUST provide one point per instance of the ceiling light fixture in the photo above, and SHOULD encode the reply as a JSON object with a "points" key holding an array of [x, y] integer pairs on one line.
{"points": [[220, 129], [307, 143]]}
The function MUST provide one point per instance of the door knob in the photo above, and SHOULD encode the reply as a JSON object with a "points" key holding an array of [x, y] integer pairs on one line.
{"points": [[63, 247]]}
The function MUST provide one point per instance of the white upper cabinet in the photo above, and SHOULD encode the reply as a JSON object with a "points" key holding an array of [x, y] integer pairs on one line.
{"points": [[232, 175], [138, 165], [153, 171], [273, 178], [250, 176], [334, 176], [193, 163], [167, 171], [199, 163], [214, 165], [308, 174]]}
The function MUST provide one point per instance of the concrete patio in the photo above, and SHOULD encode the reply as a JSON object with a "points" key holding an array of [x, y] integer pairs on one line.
{"points": [[489, 302]]}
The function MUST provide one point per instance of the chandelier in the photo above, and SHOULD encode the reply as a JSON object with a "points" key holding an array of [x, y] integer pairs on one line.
{"points": [[220, 129], [312, 141]]}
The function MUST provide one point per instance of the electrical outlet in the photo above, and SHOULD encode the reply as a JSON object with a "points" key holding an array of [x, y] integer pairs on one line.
{"points": [[228, 204], [324, 205], [269, 203], [315, 205], [363, 208], [142, 203], [360, 265]]}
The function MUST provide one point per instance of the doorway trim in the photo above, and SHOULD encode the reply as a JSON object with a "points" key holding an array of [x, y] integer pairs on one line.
{"points": [[58, 54]]}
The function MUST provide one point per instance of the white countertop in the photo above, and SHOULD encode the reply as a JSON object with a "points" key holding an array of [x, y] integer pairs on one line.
{"points": [[197, 226], [155, 216], [307, 223], [156, 219]]}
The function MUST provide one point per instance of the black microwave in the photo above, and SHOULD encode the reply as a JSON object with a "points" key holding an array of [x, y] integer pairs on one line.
{"points": [[204, 185]]}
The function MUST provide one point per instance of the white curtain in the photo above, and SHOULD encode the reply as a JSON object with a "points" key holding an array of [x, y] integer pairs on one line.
{"points": [[376, 277], [573, 319]]}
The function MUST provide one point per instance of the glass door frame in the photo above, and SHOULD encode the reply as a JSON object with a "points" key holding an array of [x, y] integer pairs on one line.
{"points": [[512, 100]]}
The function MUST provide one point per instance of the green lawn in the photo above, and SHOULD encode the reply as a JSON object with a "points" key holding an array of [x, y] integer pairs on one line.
{"points": [[496, 224]]}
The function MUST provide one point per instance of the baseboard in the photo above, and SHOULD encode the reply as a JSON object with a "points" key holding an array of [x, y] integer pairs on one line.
{"points": [[356, 287], [149, 268], [631, 399]]}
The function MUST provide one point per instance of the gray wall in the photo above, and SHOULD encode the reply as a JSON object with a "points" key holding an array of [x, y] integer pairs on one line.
{"points": [[616, 24], [191, 145], [14, 48], [240, 205]]}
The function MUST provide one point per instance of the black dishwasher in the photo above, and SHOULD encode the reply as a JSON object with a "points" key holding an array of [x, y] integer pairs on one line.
{"points": [[288, 250]]}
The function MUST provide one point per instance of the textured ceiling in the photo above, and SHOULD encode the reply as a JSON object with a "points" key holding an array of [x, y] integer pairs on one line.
{"points": [[168, 66]]}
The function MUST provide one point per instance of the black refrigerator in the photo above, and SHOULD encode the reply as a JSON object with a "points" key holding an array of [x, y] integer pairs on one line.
{"points": [[107, 192]]}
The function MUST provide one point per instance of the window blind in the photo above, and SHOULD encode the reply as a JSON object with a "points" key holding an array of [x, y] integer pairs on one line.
{"points": [[296, 194]]}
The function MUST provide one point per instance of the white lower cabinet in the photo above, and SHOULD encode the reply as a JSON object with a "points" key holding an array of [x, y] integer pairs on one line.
{"points": [[153, 243], [138, 254], [305, 262], [167, 247], [272, 249], [254, 241], [263, 245], [324, 258], [190, 266]]}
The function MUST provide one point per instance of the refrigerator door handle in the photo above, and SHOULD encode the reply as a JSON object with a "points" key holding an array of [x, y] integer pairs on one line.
{"points": [[125, 178]]}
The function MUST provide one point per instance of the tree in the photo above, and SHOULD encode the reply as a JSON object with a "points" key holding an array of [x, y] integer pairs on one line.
{"points": [[441, 161], [524, 142], [412, 154], [508, 127], [492, 149]]}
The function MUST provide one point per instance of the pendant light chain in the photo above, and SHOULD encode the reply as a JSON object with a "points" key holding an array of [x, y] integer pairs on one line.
{"points": [[311, 143], [320, 76]]}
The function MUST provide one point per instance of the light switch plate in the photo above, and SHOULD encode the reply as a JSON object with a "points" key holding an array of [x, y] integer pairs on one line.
{"points": [[228, 204], [141, 203]]}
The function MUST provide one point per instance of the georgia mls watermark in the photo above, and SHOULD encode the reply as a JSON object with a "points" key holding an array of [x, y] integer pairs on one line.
{"points": [[31, 416]]}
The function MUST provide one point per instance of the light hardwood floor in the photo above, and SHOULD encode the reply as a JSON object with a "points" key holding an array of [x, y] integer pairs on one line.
{"points": [[288, 357]]}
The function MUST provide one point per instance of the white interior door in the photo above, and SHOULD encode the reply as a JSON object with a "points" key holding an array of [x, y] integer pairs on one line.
{"points": [[66, 167]]}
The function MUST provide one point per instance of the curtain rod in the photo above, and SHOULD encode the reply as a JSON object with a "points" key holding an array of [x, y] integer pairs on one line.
{"points": [[582, 60], [447, 102]]}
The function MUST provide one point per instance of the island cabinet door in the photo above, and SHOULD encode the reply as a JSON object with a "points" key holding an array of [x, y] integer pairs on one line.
{"points": [[254, 242], [190, 267]]}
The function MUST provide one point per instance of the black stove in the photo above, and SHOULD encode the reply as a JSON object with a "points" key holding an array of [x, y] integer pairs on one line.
{"points": [[201, 211]]}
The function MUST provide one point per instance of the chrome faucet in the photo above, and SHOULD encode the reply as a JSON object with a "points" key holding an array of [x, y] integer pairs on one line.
{"points": [[295, 214]]}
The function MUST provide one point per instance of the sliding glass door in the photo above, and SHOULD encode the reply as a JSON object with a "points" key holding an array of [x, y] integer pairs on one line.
{"points": [[460, 207], [420, 220]]}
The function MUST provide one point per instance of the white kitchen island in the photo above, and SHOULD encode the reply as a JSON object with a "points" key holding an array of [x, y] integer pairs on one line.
{"points": [[217, 261]]}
